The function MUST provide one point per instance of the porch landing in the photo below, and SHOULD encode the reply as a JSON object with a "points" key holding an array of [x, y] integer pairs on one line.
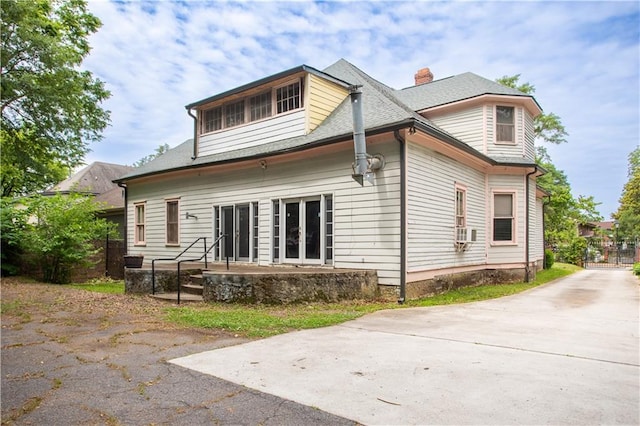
{"points": [[247, 283]]}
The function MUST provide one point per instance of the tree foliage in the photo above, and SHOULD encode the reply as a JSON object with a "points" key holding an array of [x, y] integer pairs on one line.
{"points": [[57, 232], [563, 212], [628, 213], [158, 152], [50, 107]]}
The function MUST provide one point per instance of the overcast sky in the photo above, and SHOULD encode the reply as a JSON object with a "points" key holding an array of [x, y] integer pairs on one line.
{"points": [[582, 57]]}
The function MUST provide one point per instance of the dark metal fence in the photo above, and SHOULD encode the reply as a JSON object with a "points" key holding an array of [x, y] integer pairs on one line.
{"points": [[606, 253]]}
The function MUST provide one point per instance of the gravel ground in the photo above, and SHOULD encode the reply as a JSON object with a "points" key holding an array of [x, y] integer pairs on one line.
{"points": [[73, 357]]}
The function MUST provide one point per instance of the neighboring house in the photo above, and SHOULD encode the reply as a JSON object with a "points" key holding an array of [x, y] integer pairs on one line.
{"points": [[97, 179], [448, 179]]}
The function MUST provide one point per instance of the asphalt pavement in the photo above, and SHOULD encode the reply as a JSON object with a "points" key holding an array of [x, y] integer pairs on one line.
{"points": [[564, 353]]}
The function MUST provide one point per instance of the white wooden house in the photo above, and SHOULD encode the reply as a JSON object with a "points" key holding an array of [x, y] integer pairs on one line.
{"points": [[450, 195]]}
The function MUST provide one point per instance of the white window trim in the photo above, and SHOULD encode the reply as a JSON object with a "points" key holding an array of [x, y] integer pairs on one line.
{"points": [[166, 222], [136, 241], [514, 223], [495, 125]]}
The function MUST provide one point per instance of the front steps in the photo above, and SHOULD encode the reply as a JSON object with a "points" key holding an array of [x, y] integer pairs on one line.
{"points": [[189, 292]]}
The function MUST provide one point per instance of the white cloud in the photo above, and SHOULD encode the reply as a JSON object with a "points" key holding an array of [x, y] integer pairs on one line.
{"points": [[582, 57]]}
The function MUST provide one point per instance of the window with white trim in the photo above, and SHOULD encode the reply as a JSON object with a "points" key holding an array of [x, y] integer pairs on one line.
{"points": [[172, 212], [288, 97], [139, 220], [461, 207], [503, 218], [505, 124]]}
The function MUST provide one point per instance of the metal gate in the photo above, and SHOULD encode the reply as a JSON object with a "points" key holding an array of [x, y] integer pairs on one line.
{"points": [[604, 253]]}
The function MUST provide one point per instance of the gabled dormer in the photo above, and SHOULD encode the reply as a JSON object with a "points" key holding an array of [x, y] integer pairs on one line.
{"points": [[285, 105]]}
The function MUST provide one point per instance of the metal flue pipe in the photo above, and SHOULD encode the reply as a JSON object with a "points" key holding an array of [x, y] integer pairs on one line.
{"points": [[359, 140]]}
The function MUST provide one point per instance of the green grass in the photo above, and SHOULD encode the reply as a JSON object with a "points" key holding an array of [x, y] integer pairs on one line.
{"points": [[263, 321], [101, 285]]}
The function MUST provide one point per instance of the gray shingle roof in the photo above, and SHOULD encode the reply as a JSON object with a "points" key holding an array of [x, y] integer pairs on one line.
{"points": [[452, 89], [383, 108], [96, 178]]}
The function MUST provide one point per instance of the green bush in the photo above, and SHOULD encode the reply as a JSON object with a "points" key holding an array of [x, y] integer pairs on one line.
{"points": [[549, 258], [13, 222], [61, 232], [636, 268], [574, 251]]}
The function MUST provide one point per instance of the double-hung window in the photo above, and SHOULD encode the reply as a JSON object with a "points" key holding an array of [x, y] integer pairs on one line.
{"points": [[505, 124], [461, 213], [139, 220], [172, 208], [503, 218]]}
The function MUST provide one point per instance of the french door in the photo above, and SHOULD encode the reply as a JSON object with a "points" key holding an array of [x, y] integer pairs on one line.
{"points": [[239, 223], [302, 230]]}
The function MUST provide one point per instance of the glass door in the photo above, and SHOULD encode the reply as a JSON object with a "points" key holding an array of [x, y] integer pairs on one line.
{"points": [[302, 231], [292, 230], [242, 232]]}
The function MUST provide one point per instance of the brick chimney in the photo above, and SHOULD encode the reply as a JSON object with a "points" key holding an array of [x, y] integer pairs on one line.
{"points": [[423, 76]]}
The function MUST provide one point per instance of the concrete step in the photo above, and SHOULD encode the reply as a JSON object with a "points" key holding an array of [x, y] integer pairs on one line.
{"points": [[196, 279], [192, 289], [173, 297]]}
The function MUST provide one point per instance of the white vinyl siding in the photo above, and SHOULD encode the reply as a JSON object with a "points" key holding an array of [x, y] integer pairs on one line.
{"points": [[259, 133], [366, 220], [465, 125], [529, 143], [431, 184]]}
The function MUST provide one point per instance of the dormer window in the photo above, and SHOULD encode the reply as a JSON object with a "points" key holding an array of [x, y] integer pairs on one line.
{"points": [[260, 106], [234, 114], [288, 97], [505, 124], [280, 99]]}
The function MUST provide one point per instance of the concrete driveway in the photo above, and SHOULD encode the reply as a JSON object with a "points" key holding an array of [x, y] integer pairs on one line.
{"points": [[564, 353]]}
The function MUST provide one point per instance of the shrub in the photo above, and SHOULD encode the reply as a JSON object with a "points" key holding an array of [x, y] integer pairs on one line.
{"points": [[549, 258], [62, 234], [574, 251], [12, 225], [636, 268]]}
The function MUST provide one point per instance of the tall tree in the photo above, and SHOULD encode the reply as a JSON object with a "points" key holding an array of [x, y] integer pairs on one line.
{"points": [[50, 107], [161, 149], [628, 213]]}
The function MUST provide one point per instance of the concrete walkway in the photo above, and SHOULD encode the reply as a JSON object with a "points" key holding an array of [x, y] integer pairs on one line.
{"points": [[564, 353]]}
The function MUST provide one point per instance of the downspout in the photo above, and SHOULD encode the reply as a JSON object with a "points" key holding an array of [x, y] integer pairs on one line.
{"points": [[544, 229], [527, 270], [195, 134], [403, 218], [126, 215]]}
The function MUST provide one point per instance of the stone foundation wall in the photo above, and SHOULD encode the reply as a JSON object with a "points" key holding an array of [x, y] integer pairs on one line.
{"points": [[139, 281], [278, 288], [444, 283]]}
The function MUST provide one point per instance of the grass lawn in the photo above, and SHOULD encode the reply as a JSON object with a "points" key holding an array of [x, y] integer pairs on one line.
{"points": [[263, 321], [101, 285]]}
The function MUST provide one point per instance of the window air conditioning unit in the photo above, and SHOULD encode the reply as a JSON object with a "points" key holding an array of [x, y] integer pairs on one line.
{"points": [[465, 235]]}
